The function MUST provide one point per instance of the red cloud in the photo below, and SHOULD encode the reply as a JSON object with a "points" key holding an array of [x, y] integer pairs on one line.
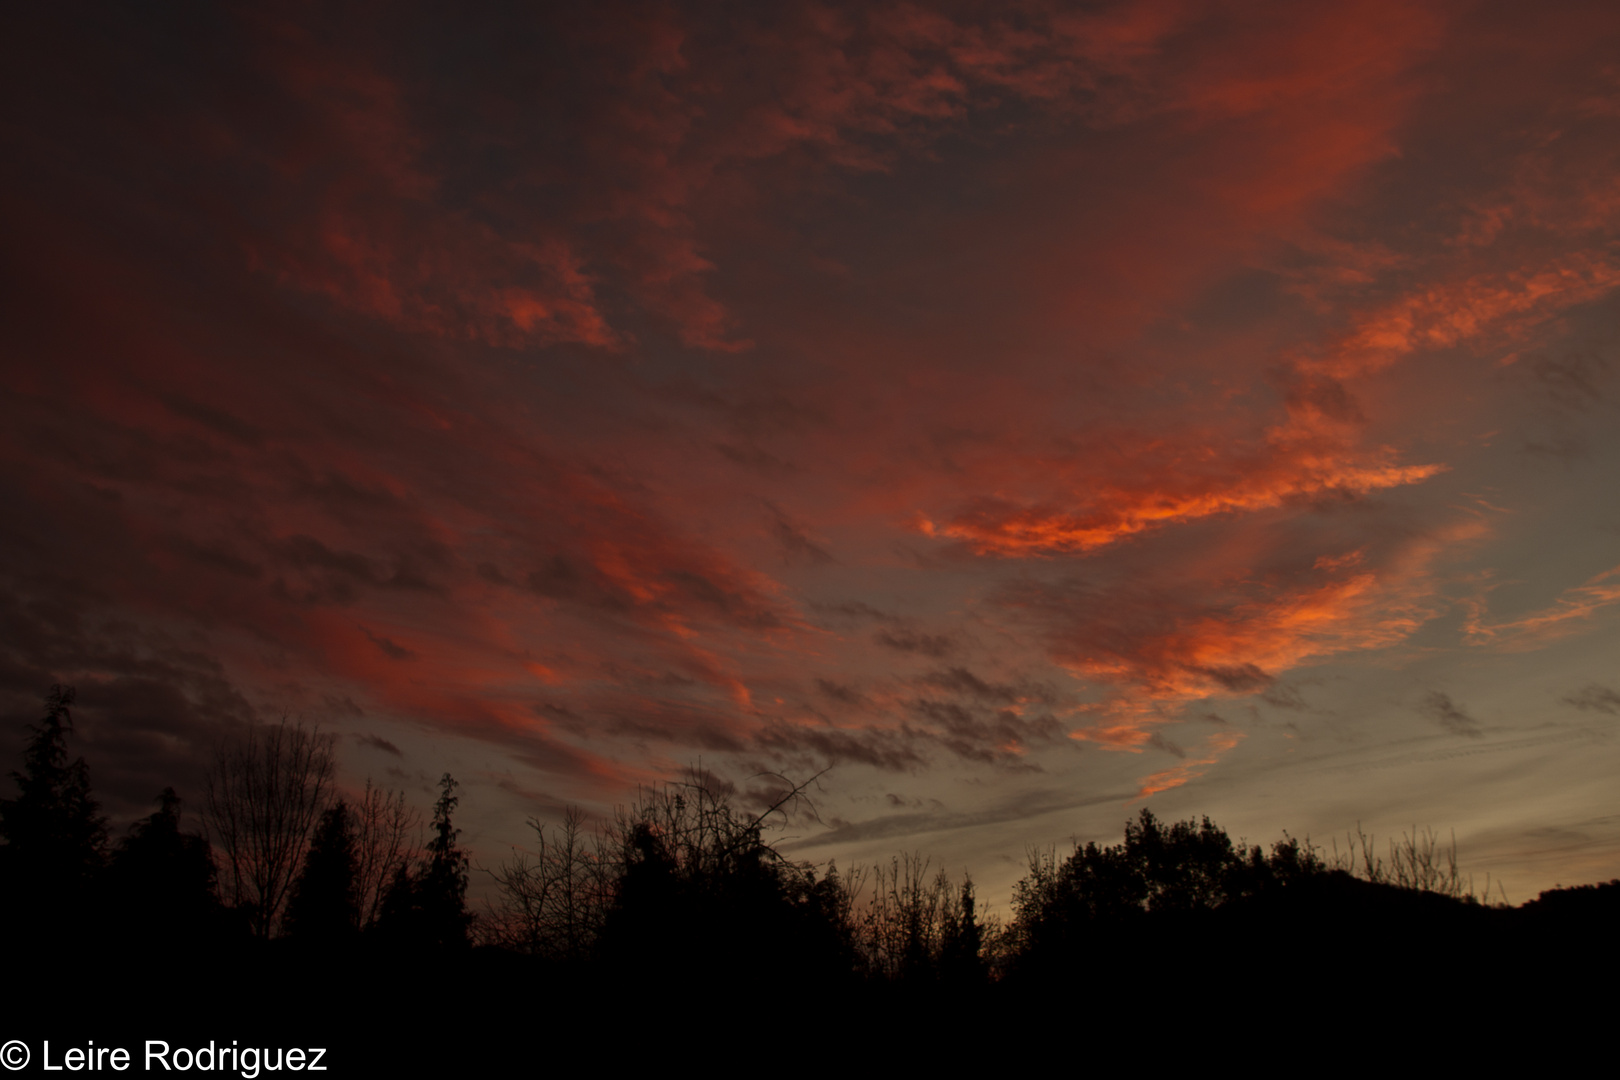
{"points": [[452, 381], [1215, 636], [996, 527], [1216, 745]]}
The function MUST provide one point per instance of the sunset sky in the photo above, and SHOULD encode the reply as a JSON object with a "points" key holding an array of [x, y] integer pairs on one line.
{"points": [[1024, 412]]}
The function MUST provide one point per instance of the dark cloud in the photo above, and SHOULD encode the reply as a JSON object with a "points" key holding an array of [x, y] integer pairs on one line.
{"points": [[561, 578], [816, 746], [1235, 678], [962, 681], [983, 734], [388, 647], [1564, 448], [1574, 379], [798, 549], [324, 575], [934, 646], [1322, 395], [1024, 806], [342, 495], [1439, 707], [856, 609], [736, 604], [843, 695], [1594, 697], [343, 705], [754, 457], [1283, 696], [216, 555], [218, 421], [756, 415], [377, 742], [1159, 742], [667, 722]]}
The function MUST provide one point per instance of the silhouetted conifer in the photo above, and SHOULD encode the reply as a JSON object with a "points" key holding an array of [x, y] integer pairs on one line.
{"points": [[55, 836], [961, 952], [163, 881], [428, 907], [324, 906], [442, 891]]}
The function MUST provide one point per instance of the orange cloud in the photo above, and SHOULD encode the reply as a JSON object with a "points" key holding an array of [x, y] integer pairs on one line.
{"points": [[394, 226], [997, 528], [1162, 649], [1499, 309], [1215, 746], [1570, 614], [544, 547]]}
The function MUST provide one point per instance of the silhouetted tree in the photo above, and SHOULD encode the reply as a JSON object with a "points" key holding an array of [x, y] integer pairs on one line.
{"points": [[1418, 862], [265, 793], [385, 838], [1176, 870], [324, 904], [700, 891], [553, 902], [428, 907], [962, 959], [442, 891], [55, 836], [919, 927], [163, 881]]}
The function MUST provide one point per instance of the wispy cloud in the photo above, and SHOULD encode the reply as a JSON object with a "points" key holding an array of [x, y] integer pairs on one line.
{"points": [[1572, 612], [1439, 707]]}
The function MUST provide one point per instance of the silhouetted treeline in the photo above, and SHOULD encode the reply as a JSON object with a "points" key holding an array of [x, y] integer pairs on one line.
{"points": [[336, 912]]}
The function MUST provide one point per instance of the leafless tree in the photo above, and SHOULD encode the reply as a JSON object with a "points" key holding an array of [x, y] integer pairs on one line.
{"points": [[265, 792], [916, 924], [387, 837], [699, 831], [554, 900], [1419, 861], [899, 929]]}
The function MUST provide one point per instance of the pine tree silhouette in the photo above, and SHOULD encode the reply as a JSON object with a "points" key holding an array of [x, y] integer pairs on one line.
{"points": [[428, 907], [164, 882], [325, 905], [55, 836], [442, 890]]}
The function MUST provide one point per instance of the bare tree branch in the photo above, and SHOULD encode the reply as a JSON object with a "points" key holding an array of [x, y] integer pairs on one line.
{"points": [[264, 794]]}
